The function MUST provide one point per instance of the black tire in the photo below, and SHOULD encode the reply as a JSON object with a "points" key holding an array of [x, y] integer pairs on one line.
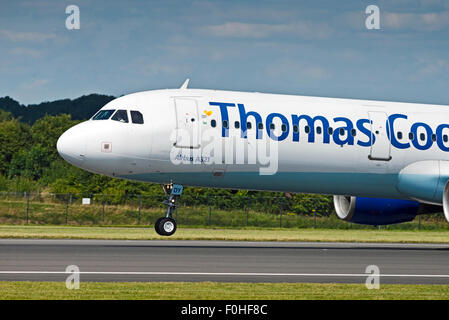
{"points": [[167, 227], [157, 226]]}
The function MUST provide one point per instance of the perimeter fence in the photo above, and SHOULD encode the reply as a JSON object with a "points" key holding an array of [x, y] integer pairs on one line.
{"points": [[195, 211]]}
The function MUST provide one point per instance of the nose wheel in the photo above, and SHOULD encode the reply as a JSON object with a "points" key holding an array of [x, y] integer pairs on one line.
{"points": [[166, 226]]}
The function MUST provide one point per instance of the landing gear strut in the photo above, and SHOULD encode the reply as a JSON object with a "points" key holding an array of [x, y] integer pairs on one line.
{"points": [[166, 226]]}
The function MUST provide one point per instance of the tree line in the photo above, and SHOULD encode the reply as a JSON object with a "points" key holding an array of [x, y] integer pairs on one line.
{"points": [[80, 109]]}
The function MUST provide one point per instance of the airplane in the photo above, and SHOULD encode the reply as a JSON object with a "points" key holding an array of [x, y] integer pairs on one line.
{"points": [[383, 162]]}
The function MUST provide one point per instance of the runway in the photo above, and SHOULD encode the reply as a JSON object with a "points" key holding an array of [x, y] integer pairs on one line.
{"points": [[172, 260]]}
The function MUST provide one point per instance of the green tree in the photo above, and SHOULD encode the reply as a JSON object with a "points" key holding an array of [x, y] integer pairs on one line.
{"points": [[30, 163], [5, 116], [14, 137], [47, 130]]}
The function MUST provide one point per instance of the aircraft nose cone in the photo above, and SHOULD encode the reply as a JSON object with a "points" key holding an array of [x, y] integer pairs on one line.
{"points": [[71, 146]]}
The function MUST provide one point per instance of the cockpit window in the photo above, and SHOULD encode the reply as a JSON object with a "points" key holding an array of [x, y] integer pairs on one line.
{"points": [[121, 115], [103, 115], [136, 117]]}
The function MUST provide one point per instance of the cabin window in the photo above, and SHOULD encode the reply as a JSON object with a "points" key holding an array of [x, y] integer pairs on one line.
{"points": [[330, 130], [103, 115], [121, 116], [318, 130], [260, 125], [272, 126], [434, 137], [237, 124], [445, 139], [411, 136], [399, 135], [284, 128], [342, 131], [213, 123], [225, 124], [307, 129], [422, 136], [295, 128], [248, 125], [136, 117], [353, 132]]}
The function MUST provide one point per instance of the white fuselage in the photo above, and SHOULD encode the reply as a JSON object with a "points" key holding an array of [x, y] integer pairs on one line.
{"points": [[304, 144]]}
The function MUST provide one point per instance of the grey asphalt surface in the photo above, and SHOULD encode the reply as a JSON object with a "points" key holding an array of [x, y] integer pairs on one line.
{"points": [[113, 260]]}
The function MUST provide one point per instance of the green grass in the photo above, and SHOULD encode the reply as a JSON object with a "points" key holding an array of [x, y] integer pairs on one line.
{"points": [[148, 233], [217, 290]]}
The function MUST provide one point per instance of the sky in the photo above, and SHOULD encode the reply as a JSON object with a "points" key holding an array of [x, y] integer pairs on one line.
{"points": [[314, 48]]}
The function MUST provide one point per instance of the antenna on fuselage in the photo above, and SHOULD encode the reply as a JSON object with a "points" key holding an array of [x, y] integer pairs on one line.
{"points": [[185, 84]]}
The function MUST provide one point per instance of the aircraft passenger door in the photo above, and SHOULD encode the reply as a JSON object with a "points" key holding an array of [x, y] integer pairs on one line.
{"points": [[187, 123], [381, 148]]}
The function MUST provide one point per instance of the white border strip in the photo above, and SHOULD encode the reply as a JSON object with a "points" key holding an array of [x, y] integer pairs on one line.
{"points": [[232, 274]]}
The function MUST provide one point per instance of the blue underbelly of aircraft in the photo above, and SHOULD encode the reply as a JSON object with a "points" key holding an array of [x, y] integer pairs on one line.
{"points": [[359, 184]]}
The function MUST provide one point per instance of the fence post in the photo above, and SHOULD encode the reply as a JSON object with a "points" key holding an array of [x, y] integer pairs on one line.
{"points": [[210, 210], [280, 218], [314, 214], [140, 205], [69, 199], [247, 210], [28, 204], [104, 201]]}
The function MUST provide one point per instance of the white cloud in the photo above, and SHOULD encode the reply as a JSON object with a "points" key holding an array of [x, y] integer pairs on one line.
{"points": [[17, 36], [426, 68], [38, 4], [259, 30], [25, 52], [238, 11], [432, 21], [429, 21], [430, 67], [178, 50], [292, 69], [245, 30], [432, 2], [34, 84], [165, 68], [411, 3]]}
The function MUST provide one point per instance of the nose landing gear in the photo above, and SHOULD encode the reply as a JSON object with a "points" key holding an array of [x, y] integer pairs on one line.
{"points": [[166, 226]]}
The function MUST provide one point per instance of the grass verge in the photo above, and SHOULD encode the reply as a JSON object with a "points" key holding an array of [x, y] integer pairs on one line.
{"points": [[217, 291], [148, 233]]}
